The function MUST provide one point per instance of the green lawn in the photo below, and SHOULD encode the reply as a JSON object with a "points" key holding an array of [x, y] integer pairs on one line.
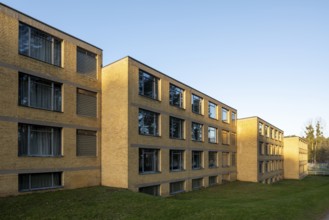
{"points": [[288, 199]]}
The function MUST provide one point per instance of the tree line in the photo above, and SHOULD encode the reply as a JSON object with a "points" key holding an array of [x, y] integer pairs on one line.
{"points": [[318, 144]]}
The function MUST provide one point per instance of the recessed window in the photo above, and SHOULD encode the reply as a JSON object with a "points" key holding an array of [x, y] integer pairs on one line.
{"points": [[86, 143], [261, 148], [37, 140], [151, 190], [233, 118], [197, 183], [176, 96], [86, 62], [225, 159], [213, 180], [86, 103], [197, 104], [272, 133], [148, 85], [177, 187], [176, 128], [39, 181], [225, 118], [225, 137], [39, 45], [212, 135], [260, 128], [233, 139], [148, 123], [148, 160], [197, 131], [261, 167], [267, 149], [39, 93], [233, 159], [212, 159], [196, 160], [176, 160], [212, 110], [267, 131]]}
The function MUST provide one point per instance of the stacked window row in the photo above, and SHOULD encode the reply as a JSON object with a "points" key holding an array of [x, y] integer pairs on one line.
{"points": [[149, 161], [180, 186], [148, 124], [270, 166], [269, 132], [149, 87], [42, 46], [270, 149]]}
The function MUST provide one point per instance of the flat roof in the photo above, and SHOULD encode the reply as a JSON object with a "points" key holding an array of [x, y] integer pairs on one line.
{"points": [[257, 117], [1, 4], [129, 57]]}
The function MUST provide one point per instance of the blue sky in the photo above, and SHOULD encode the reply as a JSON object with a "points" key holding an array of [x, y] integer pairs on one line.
{"points": [[262, 57]]}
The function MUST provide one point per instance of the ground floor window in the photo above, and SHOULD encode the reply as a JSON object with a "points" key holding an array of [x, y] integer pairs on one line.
{"points": [[212, 180], [196, 160], [38, 181], [176, 160], [176, 187], [197, 183], [151, 190], [148, 160]]}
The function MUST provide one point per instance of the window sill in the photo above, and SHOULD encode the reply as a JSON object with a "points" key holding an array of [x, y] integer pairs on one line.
{"points": [[225, 166], [149, 135], [87, 116], [197, 141], [148, 173], [178, 107], [214, 167], [41, 156], [212, 142], [149, 97], [180, 139], [197, 113], [176, 171], [44, 109], [80, 156], [23, 55], [177, 192], [226, 122], [201, 168], [40, 189]]}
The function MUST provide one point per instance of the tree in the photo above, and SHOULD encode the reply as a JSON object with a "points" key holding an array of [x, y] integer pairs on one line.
{"points": [[309, 132]]}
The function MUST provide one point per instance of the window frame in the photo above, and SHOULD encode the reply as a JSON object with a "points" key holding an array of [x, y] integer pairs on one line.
{"points": [[86, 133], [33, 79], [215, 164], [156, 121], [53, 186], [200, 132], [89, 54], [200, 105], [215, 106], [226, 112], [181, 162], [197, 183], [197, 165], [182, 96], [86, 93], [227, 142], [156, 191], [182, 187], [171, 127], [225, 158], [53, 40], [155, 160], [155, 85], [216, 135]]}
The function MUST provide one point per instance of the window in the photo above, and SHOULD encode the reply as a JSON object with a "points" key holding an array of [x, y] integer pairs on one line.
{"points": [[148, 123], [272, 133], [225, 137], [37, 140], [197, 104], [267, 149], [260, 128], [86, 143], [225, 159], [212, 135], [212, 159], [86, 62], [176, 187], [176, 160], [39, 93], [148, 160], [225, 118], [38, 181], [261, 148], [39, 45], [148, 85], [233, 139], [196, 131], [267, 132], [196, 160], [233, 118], [212, 110], [197, 183], [176, 128], [212, 180], [260, 167], [176, 96], [86, 103], [276, 135], [233, 159], [151, 190]]}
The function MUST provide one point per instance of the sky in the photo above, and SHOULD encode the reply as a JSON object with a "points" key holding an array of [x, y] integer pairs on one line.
{"points": [[266, 58]]}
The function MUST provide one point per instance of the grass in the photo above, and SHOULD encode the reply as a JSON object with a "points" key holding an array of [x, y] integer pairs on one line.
{"points": [[288, 199]]}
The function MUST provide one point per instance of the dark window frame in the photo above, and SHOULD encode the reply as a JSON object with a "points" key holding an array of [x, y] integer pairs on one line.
{"points": [[143, 163], [154, 127], [180, 122], [197, 107], [176, 91], [145, 77]]}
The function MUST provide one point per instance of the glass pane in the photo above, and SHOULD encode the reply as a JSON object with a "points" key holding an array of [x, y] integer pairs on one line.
{"points": [[23, 89], [22, 139], [148, 122], [40, 141], [57, 97], [42, 180], [41, 46], [57, 141], [40, 93], [57, 52], [24, 44], [24, 182]]}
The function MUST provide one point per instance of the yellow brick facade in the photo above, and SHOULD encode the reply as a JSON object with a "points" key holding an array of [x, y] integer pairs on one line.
{"points": [[295, 157], [76, 171], [122, 142], [260, 151]]}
